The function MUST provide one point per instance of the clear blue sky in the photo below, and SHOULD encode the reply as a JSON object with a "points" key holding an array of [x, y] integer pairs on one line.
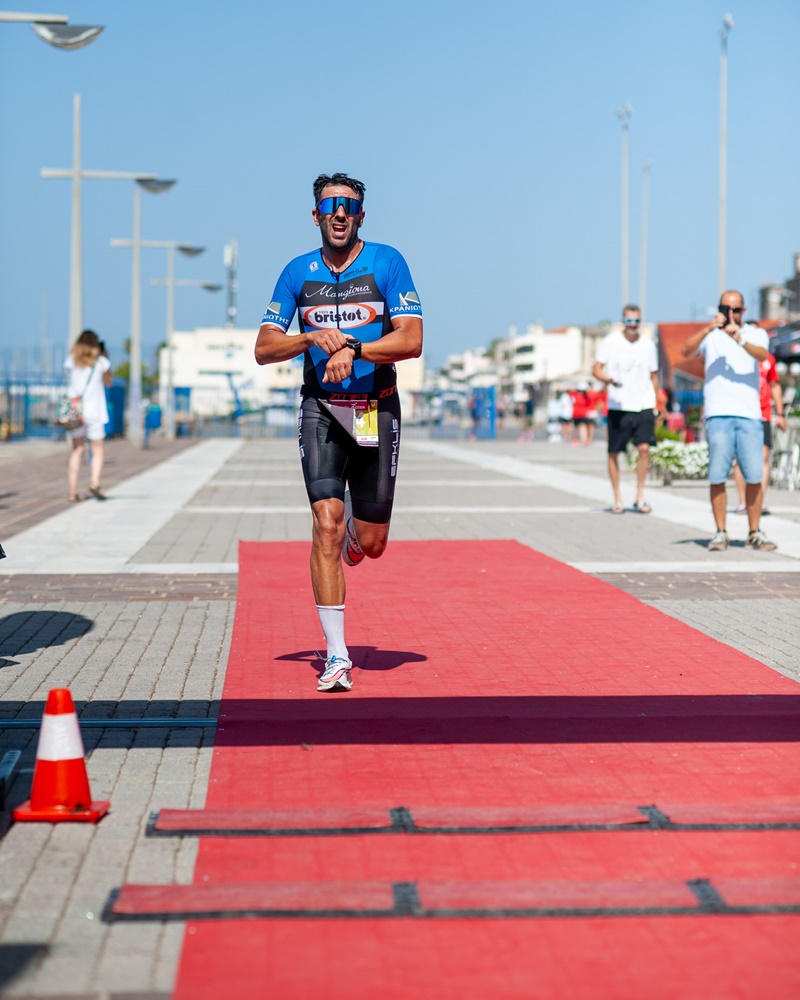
{"points": [[486, 134]]}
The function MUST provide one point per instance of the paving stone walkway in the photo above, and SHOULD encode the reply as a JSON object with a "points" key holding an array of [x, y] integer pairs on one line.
{"points": [[130, 604]]}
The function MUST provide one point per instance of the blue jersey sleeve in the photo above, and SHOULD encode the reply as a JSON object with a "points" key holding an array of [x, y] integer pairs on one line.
{"points": [[394, 278], [283, 304]]}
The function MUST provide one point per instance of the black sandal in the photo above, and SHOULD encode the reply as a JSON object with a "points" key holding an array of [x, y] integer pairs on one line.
{"points": [[97, 493]]}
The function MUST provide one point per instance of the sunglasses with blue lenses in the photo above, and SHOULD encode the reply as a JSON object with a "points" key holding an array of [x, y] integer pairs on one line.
{"points": [[330, 206]]}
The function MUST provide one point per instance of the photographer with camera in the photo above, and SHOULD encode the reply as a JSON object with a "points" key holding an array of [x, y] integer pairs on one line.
{"points": [[732, 352]]}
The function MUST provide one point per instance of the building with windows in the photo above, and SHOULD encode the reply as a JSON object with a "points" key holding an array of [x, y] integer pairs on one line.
{"points": [[781, 303]]}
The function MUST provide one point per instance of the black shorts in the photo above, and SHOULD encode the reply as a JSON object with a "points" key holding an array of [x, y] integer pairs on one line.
{"points": [[767, 433], [332, 460], [628, 425]]}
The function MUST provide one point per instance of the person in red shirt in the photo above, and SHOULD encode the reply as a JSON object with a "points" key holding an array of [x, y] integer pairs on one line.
{"points": [[584, 411], [769, 392]]}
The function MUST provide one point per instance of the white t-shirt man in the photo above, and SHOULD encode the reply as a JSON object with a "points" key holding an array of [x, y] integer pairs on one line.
{"points": [[631, 363], [732, 378]]}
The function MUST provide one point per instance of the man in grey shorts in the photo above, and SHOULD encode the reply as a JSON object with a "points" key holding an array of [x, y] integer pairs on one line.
{"points": [[732, 352], [627, 364]]}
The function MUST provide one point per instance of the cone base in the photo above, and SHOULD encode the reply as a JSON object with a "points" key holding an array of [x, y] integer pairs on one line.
{"points": [[89, 814]]}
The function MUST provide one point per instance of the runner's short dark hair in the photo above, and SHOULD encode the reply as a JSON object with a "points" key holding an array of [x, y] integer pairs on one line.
{"points": [[341, 179]]}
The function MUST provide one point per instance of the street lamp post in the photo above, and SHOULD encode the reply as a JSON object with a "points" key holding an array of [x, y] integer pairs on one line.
{"points": [[727, 24], [77, 173], [230, 259], [643, 245], [53, 29], [171, 283], [624, 115], [135, 427]]}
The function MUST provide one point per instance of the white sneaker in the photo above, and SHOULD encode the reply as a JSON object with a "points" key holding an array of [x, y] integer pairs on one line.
{"points": [[351, 550], [336, 675]]}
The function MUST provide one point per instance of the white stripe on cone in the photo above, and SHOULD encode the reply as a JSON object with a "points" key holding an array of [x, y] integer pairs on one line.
{"points": [[60, 738]]}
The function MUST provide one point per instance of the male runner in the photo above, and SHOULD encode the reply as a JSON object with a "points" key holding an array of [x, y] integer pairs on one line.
{"points": [[358, 313]]}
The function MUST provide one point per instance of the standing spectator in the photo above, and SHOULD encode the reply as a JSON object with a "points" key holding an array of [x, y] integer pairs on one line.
{"points": [[89, 372], [528, 411], [565, 415], [474, 415], [732, 353], [502, 412], [627, 364], [582, 403], [769, 392]]}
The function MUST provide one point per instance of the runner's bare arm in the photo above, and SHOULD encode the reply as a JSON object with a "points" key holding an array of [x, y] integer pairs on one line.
{"points": [[273, 345], [405, 341]]}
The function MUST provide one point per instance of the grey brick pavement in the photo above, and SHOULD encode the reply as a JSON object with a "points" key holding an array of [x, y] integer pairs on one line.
{"points": [[140, 628]]}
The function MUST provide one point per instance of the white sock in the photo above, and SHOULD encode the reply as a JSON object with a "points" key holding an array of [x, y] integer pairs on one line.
{"points": [[331, 618]]}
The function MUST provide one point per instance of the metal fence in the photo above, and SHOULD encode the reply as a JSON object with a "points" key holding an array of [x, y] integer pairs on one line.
{"points": [[28, 406]]}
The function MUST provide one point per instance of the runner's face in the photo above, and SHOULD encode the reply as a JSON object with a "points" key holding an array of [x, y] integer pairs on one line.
{"points": [[339, 231]]}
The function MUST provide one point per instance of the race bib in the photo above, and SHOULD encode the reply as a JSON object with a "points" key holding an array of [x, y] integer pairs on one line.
{"points": [[359, 417]]}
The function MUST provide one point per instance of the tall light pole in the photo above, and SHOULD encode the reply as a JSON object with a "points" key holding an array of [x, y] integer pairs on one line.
{"points": [[727, 24], [53, 29], [77, 173], [188, 250], [135, 425], [624, 115], [643, 244], [171, 282], [230, 259]]}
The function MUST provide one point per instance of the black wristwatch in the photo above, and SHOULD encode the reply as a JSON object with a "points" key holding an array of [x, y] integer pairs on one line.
{"points": [[355, 346]]}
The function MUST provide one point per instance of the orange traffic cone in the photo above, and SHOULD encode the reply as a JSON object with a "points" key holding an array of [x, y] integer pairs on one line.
{"points": [[60, 784]]}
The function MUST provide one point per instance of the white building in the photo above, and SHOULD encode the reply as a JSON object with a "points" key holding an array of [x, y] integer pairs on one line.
{"points": [[470, 369], [214, 361], [540, 355]]}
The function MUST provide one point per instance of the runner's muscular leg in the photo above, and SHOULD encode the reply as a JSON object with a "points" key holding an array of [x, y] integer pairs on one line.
{"points": [[327, 575], [373, 538]]}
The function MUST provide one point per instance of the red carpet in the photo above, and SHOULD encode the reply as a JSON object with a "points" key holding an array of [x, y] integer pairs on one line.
{"points": [[495, 687]]}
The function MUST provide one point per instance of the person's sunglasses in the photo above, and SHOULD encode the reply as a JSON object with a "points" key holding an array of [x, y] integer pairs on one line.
{"points": [[330, 206], [631, 321], [731, 309]]}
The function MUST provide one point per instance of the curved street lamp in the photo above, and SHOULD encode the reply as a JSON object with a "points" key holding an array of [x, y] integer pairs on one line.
{"points": [[54, 29], [66, 36], [171, 282]]}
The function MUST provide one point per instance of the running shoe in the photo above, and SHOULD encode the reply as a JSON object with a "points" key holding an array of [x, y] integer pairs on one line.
{"points": [[351, 550], [758, 540], [719, 542], [336, 676]]}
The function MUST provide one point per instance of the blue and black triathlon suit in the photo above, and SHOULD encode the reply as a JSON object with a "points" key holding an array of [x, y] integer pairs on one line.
{"points": [[361, 302]]}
